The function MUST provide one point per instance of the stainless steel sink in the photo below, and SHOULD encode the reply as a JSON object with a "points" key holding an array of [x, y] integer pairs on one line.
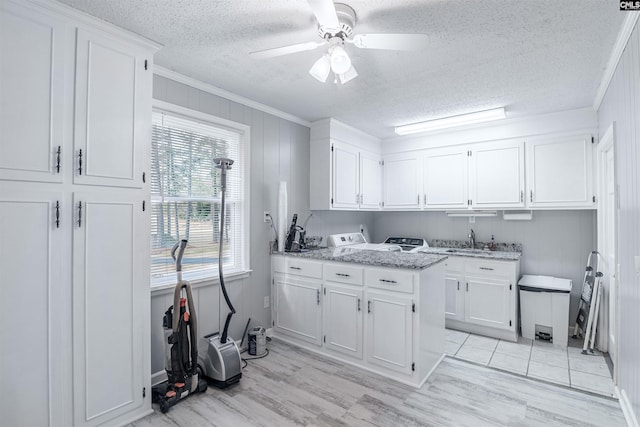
{"points": [[467, 251]]}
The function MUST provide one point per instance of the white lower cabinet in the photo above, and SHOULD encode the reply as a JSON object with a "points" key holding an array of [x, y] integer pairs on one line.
{"points": [[299, 313], [343, 319], [390, 331], [389, 321], [481, 296]]}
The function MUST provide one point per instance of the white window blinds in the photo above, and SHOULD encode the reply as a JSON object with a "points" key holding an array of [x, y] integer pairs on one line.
{"points": [[185, 196]]}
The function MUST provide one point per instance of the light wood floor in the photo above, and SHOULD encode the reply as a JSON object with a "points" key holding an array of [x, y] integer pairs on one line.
{"points": [[294, 387]]}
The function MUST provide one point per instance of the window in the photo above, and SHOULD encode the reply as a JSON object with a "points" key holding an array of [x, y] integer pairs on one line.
{"points": [[186, 194]]}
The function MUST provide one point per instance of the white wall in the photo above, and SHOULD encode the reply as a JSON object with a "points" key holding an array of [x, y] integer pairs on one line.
{"points": [[279, 150], [621, 104], [555, 243]]}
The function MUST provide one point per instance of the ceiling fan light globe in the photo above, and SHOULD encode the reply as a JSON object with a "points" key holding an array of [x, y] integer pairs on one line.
{"points": [[340, 61], [320, 70], [349, 75]]}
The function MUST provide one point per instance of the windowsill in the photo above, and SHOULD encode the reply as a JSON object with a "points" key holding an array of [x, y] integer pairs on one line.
{"points": [[168, 285]]}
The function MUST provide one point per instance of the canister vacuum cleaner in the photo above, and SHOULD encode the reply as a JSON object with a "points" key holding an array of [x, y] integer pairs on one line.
{"points": [[218, 356]]}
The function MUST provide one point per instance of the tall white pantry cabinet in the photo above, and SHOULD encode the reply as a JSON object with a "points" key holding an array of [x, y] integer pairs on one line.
{"points": [[75, 132]]}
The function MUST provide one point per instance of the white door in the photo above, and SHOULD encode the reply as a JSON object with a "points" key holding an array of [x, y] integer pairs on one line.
{"points": [[345, 176], [35, 332], [33, 55], [454, 296], [402, 184], [390, 331], [110, 305], [487, 302], [445, 174], [607, 244], [370, 181], [496, 175], [112, 115], [559, 172], [298, 311], [343, 320]]}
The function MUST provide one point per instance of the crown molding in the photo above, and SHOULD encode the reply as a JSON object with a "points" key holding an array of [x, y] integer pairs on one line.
{"points": [[214, 90], [616, 53]]}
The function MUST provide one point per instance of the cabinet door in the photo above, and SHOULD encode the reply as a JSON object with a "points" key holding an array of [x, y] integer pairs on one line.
{"points": [[402, 185], [496, 174], [454, 296], [390, 331], [446, 178], [33, 49], [343, 320], [298, 311], [370, 181], [113, 111], [110, 305], [488, 302], [35, 334], [560, 172], [345, 176]]}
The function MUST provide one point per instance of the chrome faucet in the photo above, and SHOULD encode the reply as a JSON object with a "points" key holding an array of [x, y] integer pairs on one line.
{"points": [[472, 239]]}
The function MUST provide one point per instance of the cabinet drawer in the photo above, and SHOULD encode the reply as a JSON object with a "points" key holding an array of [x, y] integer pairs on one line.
{"points": [[492, 268], [343, 273], [300, 267], [454, 264], [393, 280]]}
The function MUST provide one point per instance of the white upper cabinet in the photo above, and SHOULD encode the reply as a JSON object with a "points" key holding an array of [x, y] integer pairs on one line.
{"points": [[445, 178], [113, 86], [496, 175], [33, 51], [402, 181], [560, 173], [370, 181], [346, 178]]}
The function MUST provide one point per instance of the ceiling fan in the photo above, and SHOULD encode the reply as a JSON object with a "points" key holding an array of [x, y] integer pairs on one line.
{"points": [[335, 27]]}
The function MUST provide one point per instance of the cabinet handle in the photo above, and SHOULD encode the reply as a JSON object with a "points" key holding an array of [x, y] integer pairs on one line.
{"points": [[342, 275], [358, 304], [458, 285], [79, 214], [467, 286], [387, 281], [318, 296], [521, 195], [57, 214], [418, 199], [295, 268], [368, 306], [80, 162], [357, 198], [144, 177], [58, 153], [531, 196], [486, 268]]}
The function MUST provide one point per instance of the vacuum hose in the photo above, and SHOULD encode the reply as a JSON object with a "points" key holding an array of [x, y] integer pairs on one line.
{"points": [[223, 164]]}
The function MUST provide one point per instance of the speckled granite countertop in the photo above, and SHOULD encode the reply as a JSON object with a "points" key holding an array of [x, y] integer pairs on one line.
{"points": [[474, 253], [418, 261]]}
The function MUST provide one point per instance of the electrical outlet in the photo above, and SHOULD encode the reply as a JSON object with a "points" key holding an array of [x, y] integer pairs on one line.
{"points": [[266, 302], [266, 216]]}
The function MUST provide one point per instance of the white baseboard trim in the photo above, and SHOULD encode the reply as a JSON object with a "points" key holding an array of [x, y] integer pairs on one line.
{"points": [[627, 410], [158, 377]]}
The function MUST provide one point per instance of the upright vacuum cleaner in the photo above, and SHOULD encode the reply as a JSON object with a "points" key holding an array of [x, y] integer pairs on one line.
{"points": [[181, 334], [219, 357]]}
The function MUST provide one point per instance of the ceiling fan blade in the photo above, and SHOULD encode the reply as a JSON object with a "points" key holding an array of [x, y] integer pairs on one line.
{"points": [[285, 50], [325, 13], [391, 41]]}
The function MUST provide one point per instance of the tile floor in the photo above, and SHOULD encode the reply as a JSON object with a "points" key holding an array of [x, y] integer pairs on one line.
{"points": [[535, 359]]}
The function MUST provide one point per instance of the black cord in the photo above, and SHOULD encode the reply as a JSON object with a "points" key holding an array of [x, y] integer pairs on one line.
{"points": [[246, 360]]}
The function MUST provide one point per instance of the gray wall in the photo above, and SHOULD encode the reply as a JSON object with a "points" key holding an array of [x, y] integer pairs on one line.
{"points": [[279, 150], [621, 105], [555, 243]]}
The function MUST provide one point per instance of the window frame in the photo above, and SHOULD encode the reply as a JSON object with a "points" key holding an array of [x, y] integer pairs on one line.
{"points": [[205, 277]]}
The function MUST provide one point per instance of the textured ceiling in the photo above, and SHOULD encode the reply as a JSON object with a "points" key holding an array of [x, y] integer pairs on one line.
{"points": [[531, 56]]}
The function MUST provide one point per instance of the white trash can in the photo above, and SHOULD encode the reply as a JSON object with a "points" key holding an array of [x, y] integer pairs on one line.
{"points": [[544, 308]]}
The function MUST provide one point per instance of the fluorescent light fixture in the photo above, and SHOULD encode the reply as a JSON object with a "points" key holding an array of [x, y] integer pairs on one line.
{"points": [[321, 68], [350, 74], [453, 121], [470, 213]]}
